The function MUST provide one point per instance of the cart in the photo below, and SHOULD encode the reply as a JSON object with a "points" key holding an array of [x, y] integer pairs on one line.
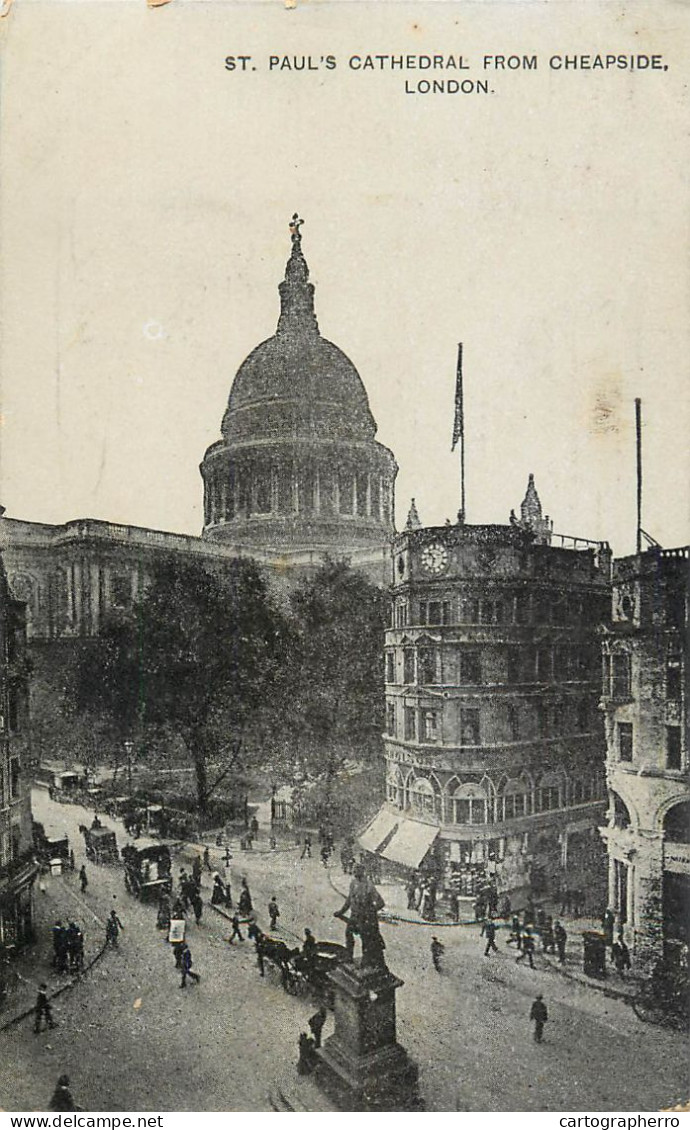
{"points": [[147, 871], [101, 845]]}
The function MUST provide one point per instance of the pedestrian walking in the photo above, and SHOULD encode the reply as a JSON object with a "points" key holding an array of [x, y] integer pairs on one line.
{"points": [[163, 912], [539, 1015], [437, 951], [607, 920], [59, 947], [236, 933], [527, 949], [515, 934], [196, 870], [621, 956], [548, 940], [316, 1023], [454, 905], [207, 860], [273, 912], [186, 967], [62, 1096], [272, 842], [112, 929], [75, 948], [83, 880], [245, 904], [560, 938], [42, 1009], [479, 908], [306, 848], [489, 931], [197, 906]]}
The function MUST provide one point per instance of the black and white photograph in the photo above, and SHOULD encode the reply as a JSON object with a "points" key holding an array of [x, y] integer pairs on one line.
{"points": [[344, 557]]}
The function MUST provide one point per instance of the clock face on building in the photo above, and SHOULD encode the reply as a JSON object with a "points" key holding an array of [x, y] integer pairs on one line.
{"points": [[435, 558]]}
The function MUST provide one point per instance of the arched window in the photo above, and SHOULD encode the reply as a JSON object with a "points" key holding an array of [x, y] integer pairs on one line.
{"points": [[549, 792], [677, 823], [513, 801], [423, 796], [468, 805], [619, 814]]}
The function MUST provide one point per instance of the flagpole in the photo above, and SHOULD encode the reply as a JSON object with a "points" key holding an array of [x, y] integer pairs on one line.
{"points": [[460, 426], [638, 451]]}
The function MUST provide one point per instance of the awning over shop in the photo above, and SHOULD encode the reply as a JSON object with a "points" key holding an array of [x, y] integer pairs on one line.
{"points": [[410, 843], [379, 830]]}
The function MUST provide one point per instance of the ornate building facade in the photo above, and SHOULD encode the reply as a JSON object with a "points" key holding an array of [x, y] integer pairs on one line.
{"points": [[494, 744], [17, 867], [645, 706]]}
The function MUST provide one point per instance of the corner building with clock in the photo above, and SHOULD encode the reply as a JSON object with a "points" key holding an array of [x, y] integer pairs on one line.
{"points": [[494, 742]]}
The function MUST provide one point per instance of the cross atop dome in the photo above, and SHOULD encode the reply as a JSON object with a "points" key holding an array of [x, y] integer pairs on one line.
{"points": [[296, 292]]}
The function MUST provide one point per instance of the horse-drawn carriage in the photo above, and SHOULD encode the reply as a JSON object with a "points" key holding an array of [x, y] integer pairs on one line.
{"points": [[147, 871], [101, 844], [47, 848], [300, 972]]}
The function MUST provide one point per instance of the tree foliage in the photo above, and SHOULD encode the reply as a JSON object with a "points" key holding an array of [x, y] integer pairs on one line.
{"points": [[197, 653]]}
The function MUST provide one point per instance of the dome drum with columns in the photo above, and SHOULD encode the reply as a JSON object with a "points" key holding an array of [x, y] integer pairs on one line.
{"points": [[298, 466]]}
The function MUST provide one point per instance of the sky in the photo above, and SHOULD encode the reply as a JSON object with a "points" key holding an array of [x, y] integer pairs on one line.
{"points": [[144, 211]]}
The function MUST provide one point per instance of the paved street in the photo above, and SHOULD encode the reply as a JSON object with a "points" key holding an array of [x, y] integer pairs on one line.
{"points": [[131, 1039]]}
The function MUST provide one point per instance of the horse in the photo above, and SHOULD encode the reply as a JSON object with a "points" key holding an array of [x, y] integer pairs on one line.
{"points": [[274, 951]]}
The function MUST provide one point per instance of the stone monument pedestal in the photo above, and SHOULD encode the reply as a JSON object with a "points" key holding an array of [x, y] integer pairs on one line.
{"points": [[362, 1066]]}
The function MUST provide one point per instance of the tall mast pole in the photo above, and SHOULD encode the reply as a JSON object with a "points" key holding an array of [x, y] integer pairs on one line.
{"points": [[459, 432], [638, 444]]}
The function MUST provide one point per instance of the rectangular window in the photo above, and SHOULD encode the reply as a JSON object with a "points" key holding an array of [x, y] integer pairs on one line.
{"points": [[410, 726], [469, 611], [429, 719], [621, 675], [390, 718], [606, 675], [513, 665], [673, 751], [514, 723], [428, 665], [434, 612], [13, 713], [673, 677], [470, 666], [390, 667], [262, 484], [625, 741], [548, 797], [14, 779], [542, 720], [469, 727], [401, 615], [408, 666]]}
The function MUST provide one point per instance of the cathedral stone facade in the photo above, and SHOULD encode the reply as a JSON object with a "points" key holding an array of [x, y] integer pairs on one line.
{"points": [[298, 474], [298, 467]]}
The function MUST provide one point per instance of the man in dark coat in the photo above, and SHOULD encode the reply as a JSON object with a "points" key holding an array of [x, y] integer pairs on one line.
{"points": [[235, 922], [527, 949], [316, 1023], [560, 938], [59, 947], [489, 932], [112, 929], [43, 1008], [539, 1015], [186, 967], [437, 951], [273, 912], [62, 1096], [83, 880]]}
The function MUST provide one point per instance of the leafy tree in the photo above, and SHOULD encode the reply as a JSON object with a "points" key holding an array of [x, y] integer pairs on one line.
{"points": [[198, 653], [340, 622]]}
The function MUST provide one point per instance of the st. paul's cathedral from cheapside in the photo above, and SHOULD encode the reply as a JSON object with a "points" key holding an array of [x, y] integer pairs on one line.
{"points": [[498, 743]]}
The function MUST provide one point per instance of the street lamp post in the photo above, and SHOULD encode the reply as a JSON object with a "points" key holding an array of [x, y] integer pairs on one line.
{"points": [[129, 749]]}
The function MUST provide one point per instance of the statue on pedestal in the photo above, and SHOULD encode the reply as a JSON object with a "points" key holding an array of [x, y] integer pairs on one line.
{"points": [[363, 902]]}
